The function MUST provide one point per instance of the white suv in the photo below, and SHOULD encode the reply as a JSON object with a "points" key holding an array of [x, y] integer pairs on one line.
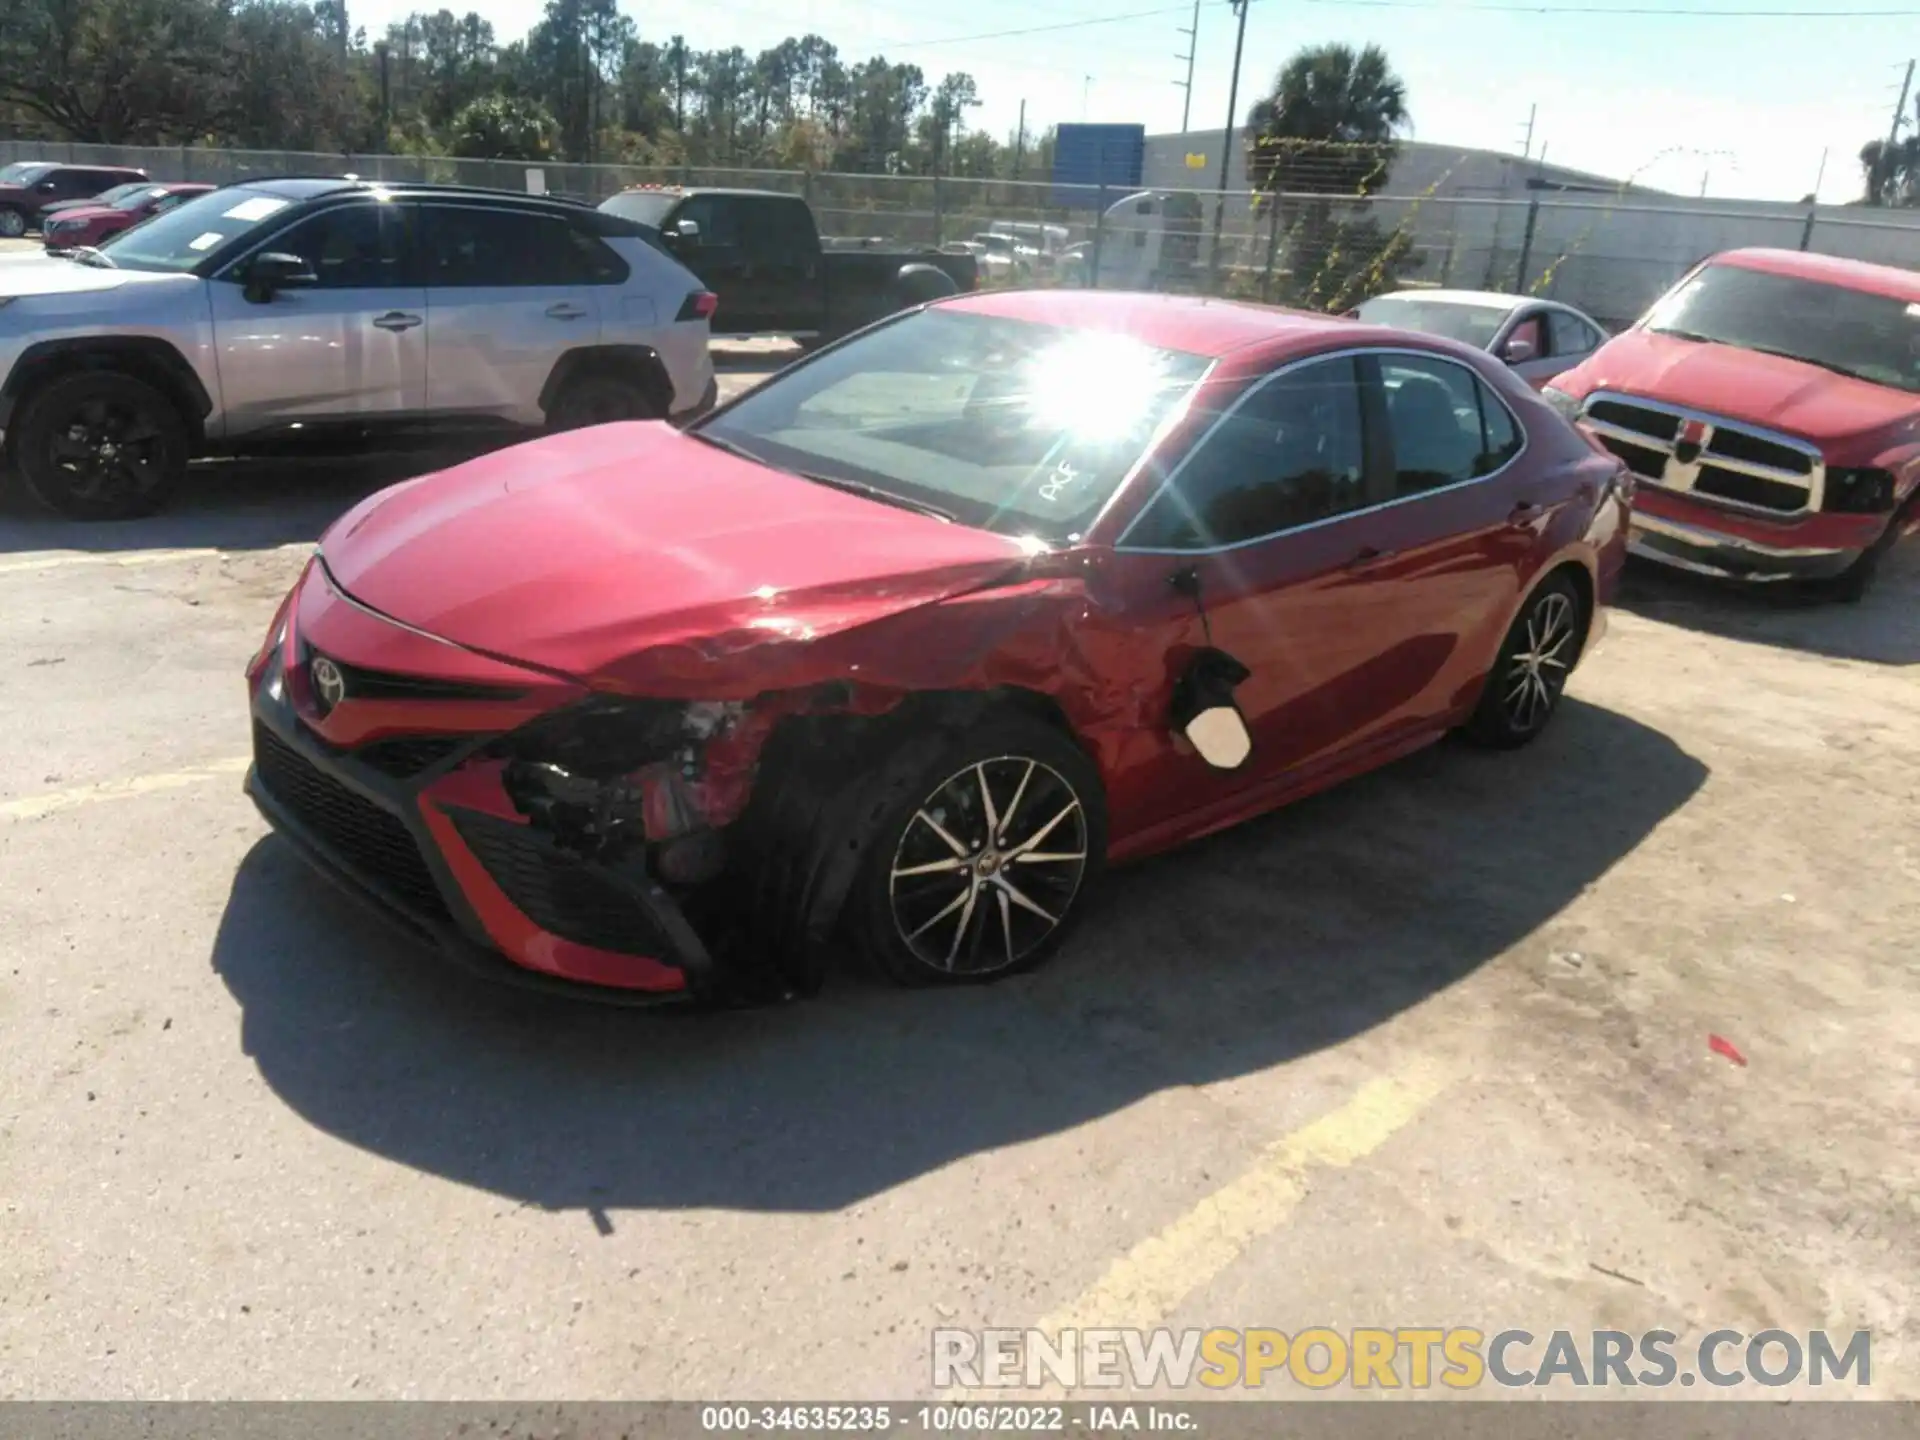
{"points": [[282, 310]]}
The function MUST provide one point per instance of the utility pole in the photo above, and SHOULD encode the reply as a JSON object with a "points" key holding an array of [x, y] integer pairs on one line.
{"points": [[1086, 86], [1020, 141], [1900, 110], [1193, 48], [1526, 146], [1226, 145]]}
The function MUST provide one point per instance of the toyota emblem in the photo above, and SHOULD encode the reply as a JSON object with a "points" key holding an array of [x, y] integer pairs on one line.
{"points": [[329, 685]]}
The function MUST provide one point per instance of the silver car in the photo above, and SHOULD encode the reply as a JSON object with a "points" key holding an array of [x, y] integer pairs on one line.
{"points": [[1538, 338], [280, 310]]}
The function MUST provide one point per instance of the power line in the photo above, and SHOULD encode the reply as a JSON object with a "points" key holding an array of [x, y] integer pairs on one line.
{"points": [[1437, 7], [1624, 10]]}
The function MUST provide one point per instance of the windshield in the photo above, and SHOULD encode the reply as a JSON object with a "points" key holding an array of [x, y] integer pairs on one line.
{"points": [[1871, 337], [648, 207], [180, 238], [23, 173], [129, 197], [996, 244], [1010, 426], [1473, 325]]}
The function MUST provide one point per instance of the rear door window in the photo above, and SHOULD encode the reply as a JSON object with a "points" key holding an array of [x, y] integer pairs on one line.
{"points": [[1446, 425], [474, 247]]}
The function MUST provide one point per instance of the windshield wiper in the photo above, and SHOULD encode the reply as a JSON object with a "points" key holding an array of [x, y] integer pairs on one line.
{"points": [[1836, 368], [875, 492], [832, 482], [87, 255]]}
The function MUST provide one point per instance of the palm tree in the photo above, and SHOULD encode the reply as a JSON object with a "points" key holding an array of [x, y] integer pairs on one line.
{"points": [[1329, 123], [1892, 172]]}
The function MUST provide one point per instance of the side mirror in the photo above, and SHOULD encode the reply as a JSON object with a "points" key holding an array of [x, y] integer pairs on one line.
{"points": [[685, 232], [273, 271], [1517, 351], [46, 187], [1205, 713]]}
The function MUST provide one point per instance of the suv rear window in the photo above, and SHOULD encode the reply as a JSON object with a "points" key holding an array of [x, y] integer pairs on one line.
{"points": [[1852, 332]]}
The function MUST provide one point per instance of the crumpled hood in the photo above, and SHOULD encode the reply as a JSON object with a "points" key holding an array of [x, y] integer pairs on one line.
{"points": [[1766, 390], [577, 552]]}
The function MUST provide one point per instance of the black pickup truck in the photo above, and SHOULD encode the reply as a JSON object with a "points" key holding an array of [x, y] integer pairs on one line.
{"points": [[761, 254]]}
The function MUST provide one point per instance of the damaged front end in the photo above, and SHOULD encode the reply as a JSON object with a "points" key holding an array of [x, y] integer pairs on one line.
{"points": [[618, 828]]}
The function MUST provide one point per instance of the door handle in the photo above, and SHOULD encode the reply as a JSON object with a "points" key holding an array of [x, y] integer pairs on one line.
{"points": [[565, 311], [397, 320], [1370, 555], [1524, 513]]}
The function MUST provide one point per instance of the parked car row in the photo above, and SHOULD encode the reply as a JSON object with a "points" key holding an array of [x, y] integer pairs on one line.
{"points": [[30, 188]]}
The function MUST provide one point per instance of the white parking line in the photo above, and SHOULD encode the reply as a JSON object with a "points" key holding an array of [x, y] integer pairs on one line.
{"points": [[69, 558], [33, 807]]}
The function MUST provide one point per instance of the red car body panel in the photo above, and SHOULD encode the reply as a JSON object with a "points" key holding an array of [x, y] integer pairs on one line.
{"points": [[635, 560], [88, 224], [1852, 423]]}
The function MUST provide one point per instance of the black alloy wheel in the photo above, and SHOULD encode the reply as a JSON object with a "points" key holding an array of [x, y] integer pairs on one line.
{"points": [[100, 445], [601, 400], [1527, 680], [985, 871]]}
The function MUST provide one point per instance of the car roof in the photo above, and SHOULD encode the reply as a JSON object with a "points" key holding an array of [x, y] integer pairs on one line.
{"points": [[1887, 280], [1192, 323], [1497, 299]]}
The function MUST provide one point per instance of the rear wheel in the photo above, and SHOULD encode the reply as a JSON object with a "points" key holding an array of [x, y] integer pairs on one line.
{"points": [[983, 868], [101, 445], [601, 400], [1524, 687], [13, 223]]}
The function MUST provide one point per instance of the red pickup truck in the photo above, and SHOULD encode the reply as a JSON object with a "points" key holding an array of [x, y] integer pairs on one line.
{"points": [[1769, 405]]}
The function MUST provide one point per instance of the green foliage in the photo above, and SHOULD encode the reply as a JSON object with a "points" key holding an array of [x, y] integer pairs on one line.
{"points": [[581, 85], [1892, 172], [1329, 123], [504, 127]]}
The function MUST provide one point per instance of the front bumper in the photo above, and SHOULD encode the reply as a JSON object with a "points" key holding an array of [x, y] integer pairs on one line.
{"points": [[1706, 540], [441, 852]]}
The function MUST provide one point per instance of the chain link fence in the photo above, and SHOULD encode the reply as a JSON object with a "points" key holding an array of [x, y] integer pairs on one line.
{"points": [[1610, 255]]}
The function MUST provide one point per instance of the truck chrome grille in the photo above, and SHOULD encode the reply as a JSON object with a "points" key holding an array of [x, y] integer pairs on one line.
{"points": [[1704, 455]]}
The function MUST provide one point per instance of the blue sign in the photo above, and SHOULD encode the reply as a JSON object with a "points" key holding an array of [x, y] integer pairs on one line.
{"points": [[1086, 157]]}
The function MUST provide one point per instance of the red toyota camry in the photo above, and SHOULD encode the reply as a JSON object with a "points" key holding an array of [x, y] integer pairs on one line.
{"points": [[897, 652]]}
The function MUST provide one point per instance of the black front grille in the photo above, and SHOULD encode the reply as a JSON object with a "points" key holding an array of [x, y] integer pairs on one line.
{"points": [[1643, 461], [365, 684], [1752, 450], [359, 832], [1658, 423], [408, 756], [561, 895], [1747, 489]]}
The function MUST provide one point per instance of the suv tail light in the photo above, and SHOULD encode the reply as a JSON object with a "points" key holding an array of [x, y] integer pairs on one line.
{"points": [[700, 305], [1859, 492]]}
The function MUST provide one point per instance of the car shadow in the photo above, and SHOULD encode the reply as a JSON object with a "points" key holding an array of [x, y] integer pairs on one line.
{"points": [[1884, 628], [240, 504], [1265, 943]]}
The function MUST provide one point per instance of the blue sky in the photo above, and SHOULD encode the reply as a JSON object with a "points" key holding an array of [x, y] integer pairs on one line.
{"points": [[1746, 103]]}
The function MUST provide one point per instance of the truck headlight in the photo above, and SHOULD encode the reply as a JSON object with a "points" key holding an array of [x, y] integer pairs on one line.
{"points": [[1564, 405]]}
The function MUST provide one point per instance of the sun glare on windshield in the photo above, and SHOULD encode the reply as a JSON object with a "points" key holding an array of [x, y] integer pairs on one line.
{"points": [[1093, 387]]}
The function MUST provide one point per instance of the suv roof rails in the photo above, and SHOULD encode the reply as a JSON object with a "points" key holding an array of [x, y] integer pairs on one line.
{"points": [[350, 181]]}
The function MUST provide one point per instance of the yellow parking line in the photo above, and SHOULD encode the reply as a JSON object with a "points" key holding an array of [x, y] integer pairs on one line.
{"points": [[33, 807], [1144, 1286], [70, 559]]}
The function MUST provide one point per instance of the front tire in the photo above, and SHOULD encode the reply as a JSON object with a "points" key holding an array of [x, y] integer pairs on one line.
{"points": [[101, 445], [601, 400], [984, 866], [1529, 676], [13, 223]]}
